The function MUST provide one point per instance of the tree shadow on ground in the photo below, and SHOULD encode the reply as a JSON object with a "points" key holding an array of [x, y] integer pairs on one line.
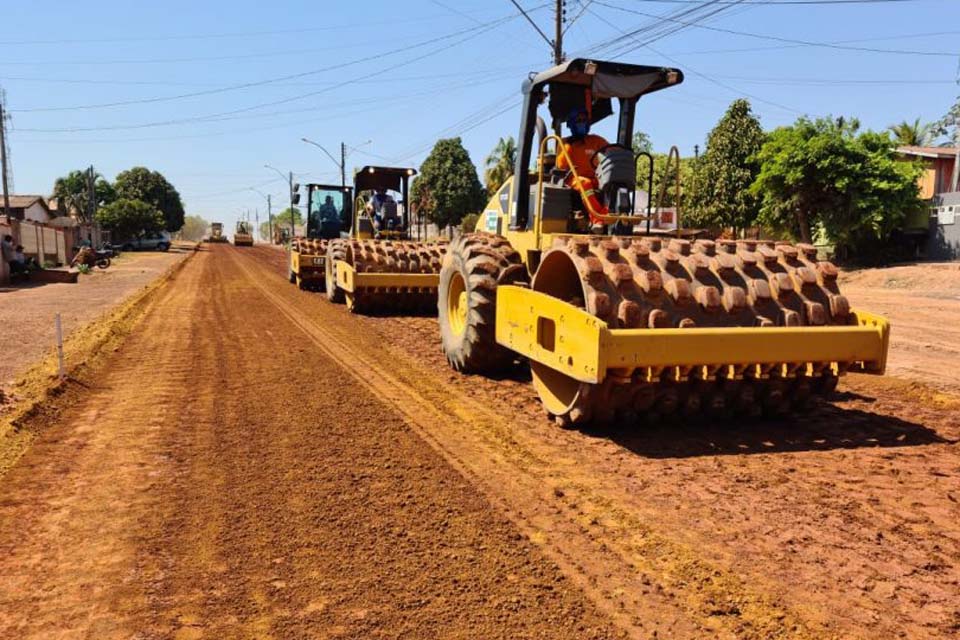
{"points": [[825, 427]]}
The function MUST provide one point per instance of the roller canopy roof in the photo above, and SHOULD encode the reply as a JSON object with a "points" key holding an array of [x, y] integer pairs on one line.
{"points": [[571, 82], [369, 178]]}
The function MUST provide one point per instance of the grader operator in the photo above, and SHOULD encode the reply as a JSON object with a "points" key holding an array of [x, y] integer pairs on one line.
{"points": [[617, 325], [379, 268]]}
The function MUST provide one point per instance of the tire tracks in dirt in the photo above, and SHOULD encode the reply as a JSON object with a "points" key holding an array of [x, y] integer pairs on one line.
{"points": [[646, 581], [223, 478]]}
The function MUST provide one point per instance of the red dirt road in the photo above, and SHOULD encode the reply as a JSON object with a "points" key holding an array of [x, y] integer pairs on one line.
{"points": [[225, 479], [843, 523]]}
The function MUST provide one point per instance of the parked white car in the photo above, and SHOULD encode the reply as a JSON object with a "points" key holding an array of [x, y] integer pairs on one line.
{"points": [[150, 242]]}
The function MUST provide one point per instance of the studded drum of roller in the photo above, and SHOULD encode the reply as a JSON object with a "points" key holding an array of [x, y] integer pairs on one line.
{"points": [[395, 256], [632, 282], [310, 246]]}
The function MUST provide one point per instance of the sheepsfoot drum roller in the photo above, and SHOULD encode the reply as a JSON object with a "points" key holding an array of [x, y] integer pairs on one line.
{"points": [[328, 208], [618, 326], [243, 236], [378, 269]]}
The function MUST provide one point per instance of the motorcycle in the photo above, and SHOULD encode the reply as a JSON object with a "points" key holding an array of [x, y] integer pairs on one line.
{"points": [[92, 258]]}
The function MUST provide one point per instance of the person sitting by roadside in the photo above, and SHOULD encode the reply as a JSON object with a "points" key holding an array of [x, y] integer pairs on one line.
{"points": [[6, 250], [19, 263]]}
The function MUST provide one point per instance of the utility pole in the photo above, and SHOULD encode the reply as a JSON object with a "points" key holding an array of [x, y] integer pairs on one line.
{"points": [[269, 219], [343, 165], [293, 201], [559, 18], [256, 220], [3, 155], [92, 192]]}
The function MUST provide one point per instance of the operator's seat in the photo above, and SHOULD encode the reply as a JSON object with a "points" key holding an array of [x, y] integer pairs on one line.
{"points": [[616, 175]]}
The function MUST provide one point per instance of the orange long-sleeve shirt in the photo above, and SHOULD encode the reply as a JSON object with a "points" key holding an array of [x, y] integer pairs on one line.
{"points": [[581, 152]]}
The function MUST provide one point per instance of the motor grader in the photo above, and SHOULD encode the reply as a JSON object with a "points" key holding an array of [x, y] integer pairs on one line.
{"points": [[242, 236], [379, 268], [216, 233], [617, 325], [328, 206]]}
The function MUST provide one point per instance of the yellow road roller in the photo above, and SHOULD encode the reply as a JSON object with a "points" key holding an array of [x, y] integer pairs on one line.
{"points": [[243, 236], [379, 269], [618, 323], [328, 207]]}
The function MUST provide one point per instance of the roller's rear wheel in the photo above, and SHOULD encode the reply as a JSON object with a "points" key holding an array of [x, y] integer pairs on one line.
{"points": [[336, 250], [472, 268]]}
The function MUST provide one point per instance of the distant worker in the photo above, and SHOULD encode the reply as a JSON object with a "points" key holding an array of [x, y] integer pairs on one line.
{"points": [[328, 210], [581, 146]]}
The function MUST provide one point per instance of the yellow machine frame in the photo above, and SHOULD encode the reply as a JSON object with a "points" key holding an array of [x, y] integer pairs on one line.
{"points": [[581, 346]]}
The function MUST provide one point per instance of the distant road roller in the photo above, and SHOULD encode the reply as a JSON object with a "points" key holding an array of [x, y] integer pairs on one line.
{"points": [[243, 236], [617, 325], [379, 268], [328, 210]]}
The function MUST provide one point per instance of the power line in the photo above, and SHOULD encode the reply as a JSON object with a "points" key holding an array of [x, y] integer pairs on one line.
{"points": [[214, 116], [209, 36], [783, 2], [657, 29], [808, 43], [697, 73], [247, 85]]}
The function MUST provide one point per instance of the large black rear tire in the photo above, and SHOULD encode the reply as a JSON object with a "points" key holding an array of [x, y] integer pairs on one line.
{"points": [[466, 303], [336, 250]]}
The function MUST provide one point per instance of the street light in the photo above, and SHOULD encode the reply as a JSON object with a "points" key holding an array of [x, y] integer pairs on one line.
{"points": [[342, 164]]}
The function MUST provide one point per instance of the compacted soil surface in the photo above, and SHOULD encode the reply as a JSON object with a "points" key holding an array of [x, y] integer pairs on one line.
{"points": [[257, 462], [226, 478]]}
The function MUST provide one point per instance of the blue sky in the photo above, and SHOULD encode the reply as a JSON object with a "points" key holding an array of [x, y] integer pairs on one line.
{"points": [[456, 70]]}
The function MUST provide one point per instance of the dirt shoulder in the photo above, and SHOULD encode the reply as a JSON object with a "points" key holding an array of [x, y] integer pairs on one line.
{"points": [[922, 302], [223, 477], [27, 312]]}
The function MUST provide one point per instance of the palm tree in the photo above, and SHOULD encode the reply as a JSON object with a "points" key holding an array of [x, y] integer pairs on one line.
{"points": [[499, 164], [912, 134]]}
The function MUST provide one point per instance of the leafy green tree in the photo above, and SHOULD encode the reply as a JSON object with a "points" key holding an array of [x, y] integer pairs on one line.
{"points": [[194, 228], [664, 173], [447, 187], [127, 218], [281, 220], [641, 142], [721, 197], [499, 164], [912, 134], [824, 174], [139, 183], [73, 193]]}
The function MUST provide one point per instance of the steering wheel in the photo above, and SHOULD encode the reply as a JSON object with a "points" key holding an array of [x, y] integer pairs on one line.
{"points": [[595, 158]]}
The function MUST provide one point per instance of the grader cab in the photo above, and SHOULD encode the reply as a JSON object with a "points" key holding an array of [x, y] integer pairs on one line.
{"points": [[379, 268], [616, 324]]}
